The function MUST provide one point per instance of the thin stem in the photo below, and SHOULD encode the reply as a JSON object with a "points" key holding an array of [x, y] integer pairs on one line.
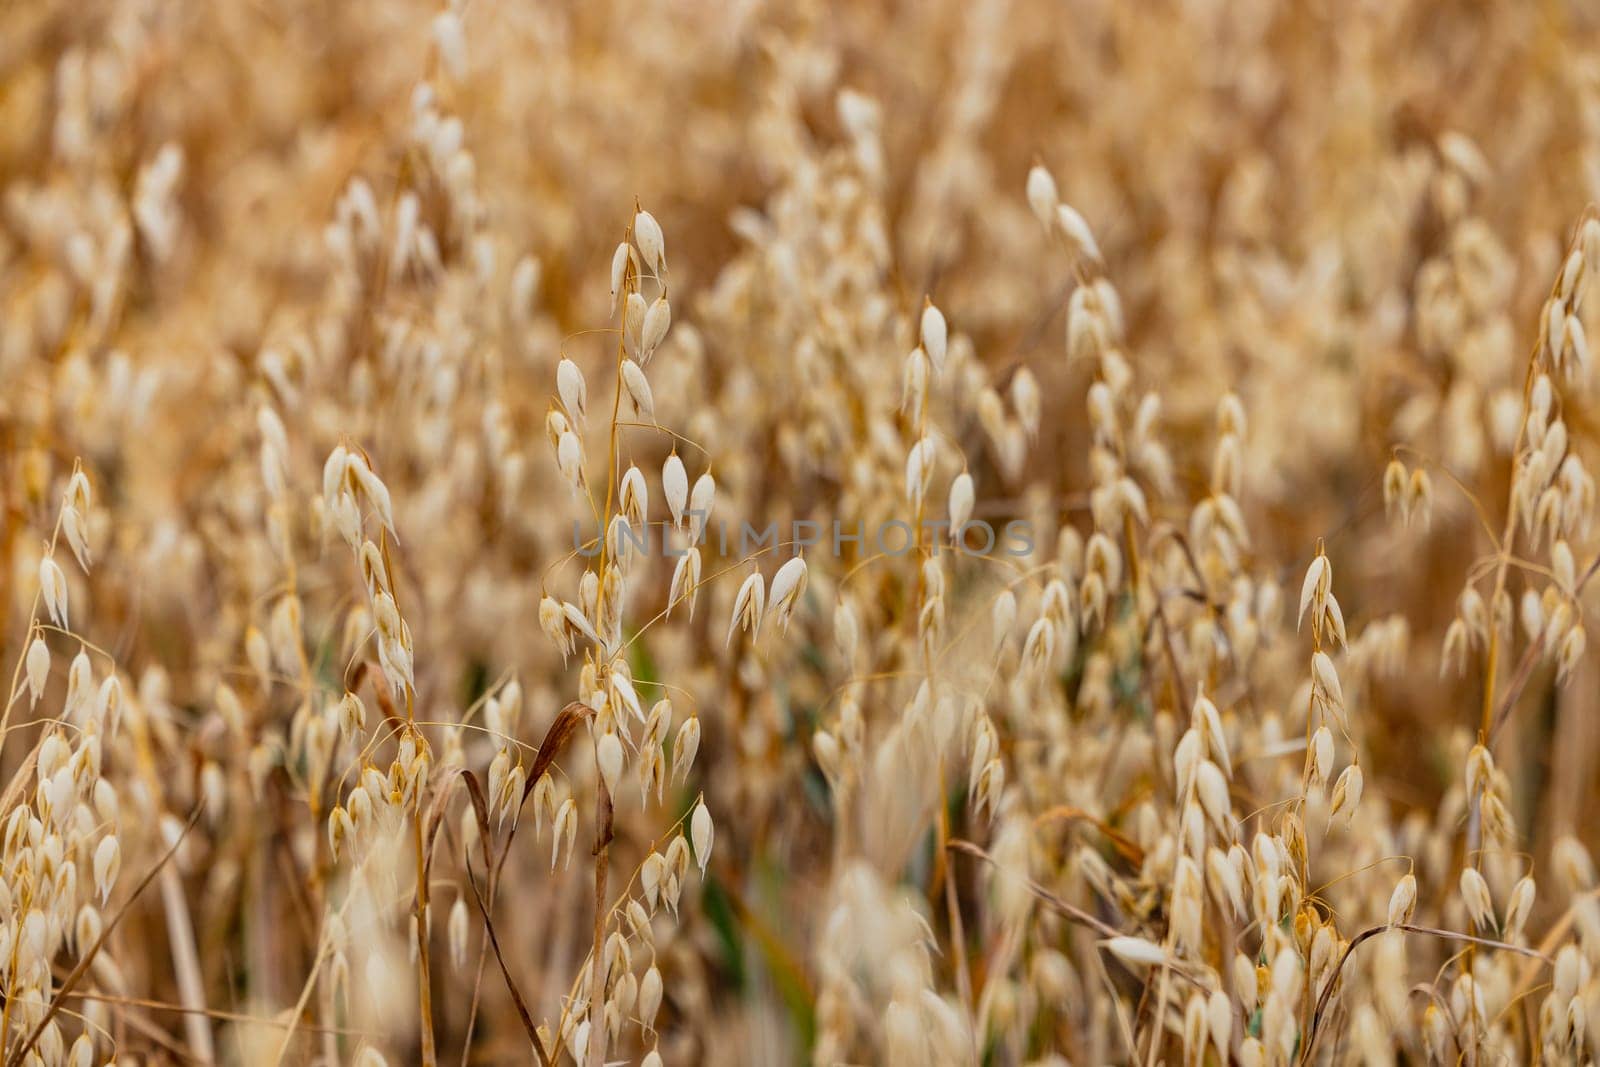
{"points": [[597, 973]]}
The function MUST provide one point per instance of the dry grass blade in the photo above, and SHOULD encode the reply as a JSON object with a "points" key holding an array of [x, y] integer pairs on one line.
{"points": [[505, 972]]}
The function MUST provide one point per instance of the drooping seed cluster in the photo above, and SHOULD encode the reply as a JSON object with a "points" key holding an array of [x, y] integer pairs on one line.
{"points": [[61, 845]]}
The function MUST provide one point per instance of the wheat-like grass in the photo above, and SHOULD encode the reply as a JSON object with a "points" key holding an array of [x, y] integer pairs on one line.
{"points": [[996, 532]]}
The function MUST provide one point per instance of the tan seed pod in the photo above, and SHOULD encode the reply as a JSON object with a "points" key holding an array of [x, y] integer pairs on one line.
{"points": [[556, 423], [685, 581], [1578, 346], [787, 586], [1245, 982], [1226, 886], [1136, 951], [1042, 196], [76, 527], [1518, 907], [1419, 495], [376, 493], [1076, 230], [685, 747], [701, 832], [1209, 721], [105, 801], [107, 862], [619, 267], [499, 772], [214, 788], [701, 499], [345, 516], [634, 498], [1563, 565], [1568, 973], [846, 629], [523, 288], [1003, 617], [80, 678], [615, 958], [571, 389], [652, 874], [569, 458], [1436, 1028], [1475, 894], [919, 468], [576, 620], [78, 494], [565, 832], [650, 990], [1212, 787], [1532, 614], [1321, 755], [623, 695], [553, 621], [1333, 621], [1326, 680], [340, 831], [935, 335], [960, 503], [263, 758], [748, 607], [634, 310], [1196, 1029], [914, 384], [544, 803], [1038, 650], [657, 321], [450, 40], [1347, 793], [1403, 901], [1454, 653], [825, 747], [38, 668], [652, 774], [1556, 327], [1219, 1022], [991, 784], [53, 589], [675, 487], [1394, 488], [652, 245], [1025, 398], [608, 755], [1570, 652], [352, 716], [984, 746], [1314, 588], [638, 387]]}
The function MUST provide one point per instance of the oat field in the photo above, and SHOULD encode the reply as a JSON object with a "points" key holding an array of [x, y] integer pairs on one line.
{"points": [[676, 532]]}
